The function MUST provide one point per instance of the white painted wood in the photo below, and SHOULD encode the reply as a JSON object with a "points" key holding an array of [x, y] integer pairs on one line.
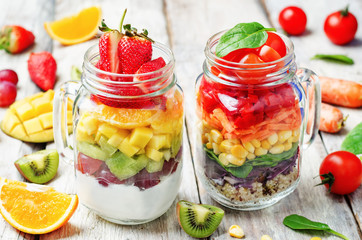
{"points": [[315, 41]]}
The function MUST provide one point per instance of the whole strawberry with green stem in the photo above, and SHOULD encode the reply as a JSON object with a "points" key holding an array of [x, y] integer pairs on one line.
{"points": [[134, 49], [15, 39]]}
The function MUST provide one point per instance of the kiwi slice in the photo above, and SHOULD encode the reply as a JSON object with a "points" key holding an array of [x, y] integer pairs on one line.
{"points": [[176, 145], [106, 147], [39, 167], [198, 220], [124, 167]]}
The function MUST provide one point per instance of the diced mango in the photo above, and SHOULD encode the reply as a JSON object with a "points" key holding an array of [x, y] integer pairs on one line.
{"points": [[32, 126], [10, 120], [154, 154], [127, 148], [42, 105], [90, 123], [141, 136], [45, 135], [19, 131], [69, 117], [158, 141], [106, 129], [25, 111], [82, 135], [46, 120], [118, 137]]}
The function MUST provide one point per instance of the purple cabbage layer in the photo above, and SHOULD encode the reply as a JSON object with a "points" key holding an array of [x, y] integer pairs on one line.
{"points": [[259, 174]]}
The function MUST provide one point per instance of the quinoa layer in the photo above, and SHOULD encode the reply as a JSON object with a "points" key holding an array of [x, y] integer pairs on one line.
{"points": [[258, 190]]}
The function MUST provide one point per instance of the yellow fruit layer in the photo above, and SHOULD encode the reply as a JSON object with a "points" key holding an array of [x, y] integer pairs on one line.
{"points": [[134, 131], [31, 119], [236, 152]]}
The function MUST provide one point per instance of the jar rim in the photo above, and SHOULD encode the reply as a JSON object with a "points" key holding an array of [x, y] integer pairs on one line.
{"points": [[214, 39]]}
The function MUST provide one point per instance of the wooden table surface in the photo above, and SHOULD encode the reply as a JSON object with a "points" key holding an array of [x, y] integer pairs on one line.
{"points": [[185, 25]]}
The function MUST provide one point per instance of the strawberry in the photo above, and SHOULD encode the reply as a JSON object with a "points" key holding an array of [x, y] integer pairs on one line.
{"points": [[108, 47], [134, 49], [150, 67], [15, 39], [42, 69]]}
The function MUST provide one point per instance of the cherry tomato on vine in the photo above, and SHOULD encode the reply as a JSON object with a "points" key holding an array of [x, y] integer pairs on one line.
{"points": [[341, 27], [293, 20], [341, 172]]}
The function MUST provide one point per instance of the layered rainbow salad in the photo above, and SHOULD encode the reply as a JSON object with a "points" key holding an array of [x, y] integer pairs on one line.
{"points": [[131, 155], [250, 139]]}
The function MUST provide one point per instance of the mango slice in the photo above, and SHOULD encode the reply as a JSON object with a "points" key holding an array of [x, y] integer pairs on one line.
{"points": [[31, 119]]}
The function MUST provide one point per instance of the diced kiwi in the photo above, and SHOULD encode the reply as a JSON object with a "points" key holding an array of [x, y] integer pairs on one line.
{"points": [[106, 147], [39, 167], [124, 167], [154, 166], [176, 145], [198, 220], [92, 150]]}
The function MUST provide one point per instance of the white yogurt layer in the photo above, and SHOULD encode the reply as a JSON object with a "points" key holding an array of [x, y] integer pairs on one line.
{"points": [[126, 203]]}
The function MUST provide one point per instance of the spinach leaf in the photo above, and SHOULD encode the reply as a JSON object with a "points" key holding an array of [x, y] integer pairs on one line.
{"points": [[243, 35], [353, 141], [334, 58], [267, 160], [298, 222]]}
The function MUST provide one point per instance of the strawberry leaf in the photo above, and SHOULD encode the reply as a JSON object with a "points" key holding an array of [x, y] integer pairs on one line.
{"points": [[243, 35]]}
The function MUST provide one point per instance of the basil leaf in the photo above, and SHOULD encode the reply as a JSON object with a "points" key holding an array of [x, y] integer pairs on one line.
{"points": [[353, 140], [243, 35], [334, 58], [297, 222]]}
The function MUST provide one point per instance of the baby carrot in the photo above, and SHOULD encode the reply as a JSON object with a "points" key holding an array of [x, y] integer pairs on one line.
{"points": [[341, 92], [331, 119]]}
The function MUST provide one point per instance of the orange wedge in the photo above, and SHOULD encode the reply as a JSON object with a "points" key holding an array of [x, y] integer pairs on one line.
{"points": [[77, 28], [34, 208]]}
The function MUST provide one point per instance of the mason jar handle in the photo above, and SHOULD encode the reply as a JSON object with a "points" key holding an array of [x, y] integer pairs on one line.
{"points": [[310, 83], [62, 140]]}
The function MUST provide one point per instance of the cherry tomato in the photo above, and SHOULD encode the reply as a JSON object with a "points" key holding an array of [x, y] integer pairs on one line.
{"points": [[346, 170], [341, 27], [277, 43], [268, 54], [293, 20], [251, 58]]}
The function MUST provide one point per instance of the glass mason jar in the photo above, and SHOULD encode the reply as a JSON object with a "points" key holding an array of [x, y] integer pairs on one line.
{"points": [[252, 122], [127, 141]]}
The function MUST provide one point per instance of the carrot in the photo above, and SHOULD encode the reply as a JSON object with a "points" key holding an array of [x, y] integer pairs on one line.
{"points": [[331, 119], [341, 92]]}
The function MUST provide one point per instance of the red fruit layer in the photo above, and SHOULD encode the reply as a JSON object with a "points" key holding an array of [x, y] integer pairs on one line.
{"points": [[143, 180], [245, 108]]}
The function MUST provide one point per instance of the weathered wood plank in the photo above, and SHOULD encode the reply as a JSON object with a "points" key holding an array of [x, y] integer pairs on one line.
{"points": [[315, 41], [11, 149]]}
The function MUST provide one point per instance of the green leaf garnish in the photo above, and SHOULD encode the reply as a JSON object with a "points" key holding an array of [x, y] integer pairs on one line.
{"points": [[243, 35], [297, 222], [267, 160], [334, 58]]}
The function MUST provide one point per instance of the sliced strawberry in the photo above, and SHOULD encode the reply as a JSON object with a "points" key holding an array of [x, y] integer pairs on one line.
{"points": [[42, 69], [108, 47], [150, 67], [15, 39]]}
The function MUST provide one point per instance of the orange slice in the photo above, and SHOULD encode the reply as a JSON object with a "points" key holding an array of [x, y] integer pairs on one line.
{"points": [[124, 118], [34, 208], [77, 28]]}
